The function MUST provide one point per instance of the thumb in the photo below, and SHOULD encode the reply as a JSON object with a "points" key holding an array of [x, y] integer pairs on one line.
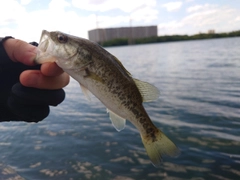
{"points": [[20, 51]]}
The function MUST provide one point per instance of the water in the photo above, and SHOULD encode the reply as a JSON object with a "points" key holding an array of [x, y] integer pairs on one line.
{"points": [[199, 109]]}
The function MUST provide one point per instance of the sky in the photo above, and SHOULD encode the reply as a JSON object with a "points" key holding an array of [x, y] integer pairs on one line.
{"points": [[25, 19]]}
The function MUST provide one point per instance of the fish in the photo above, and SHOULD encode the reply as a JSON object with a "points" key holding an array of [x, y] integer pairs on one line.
{"points": [[100, 73]]}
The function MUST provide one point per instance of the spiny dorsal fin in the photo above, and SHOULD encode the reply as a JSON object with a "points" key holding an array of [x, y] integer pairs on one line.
{"points": [[117, 121], [121, 65], [148, 91]]}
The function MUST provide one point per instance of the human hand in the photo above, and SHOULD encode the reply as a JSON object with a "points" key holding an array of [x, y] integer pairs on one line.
{"points": [[40, 85], [50, 76]]}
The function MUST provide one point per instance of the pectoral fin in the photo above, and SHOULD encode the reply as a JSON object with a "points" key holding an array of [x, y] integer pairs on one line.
{"points": [[86, 92], [117, 121], [92, 75], [148, 91]]}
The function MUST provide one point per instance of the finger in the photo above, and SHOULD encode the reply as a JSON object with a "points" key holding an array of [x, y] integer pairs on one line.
{"points": [[51, 69], [20, 51], [35, 79]]}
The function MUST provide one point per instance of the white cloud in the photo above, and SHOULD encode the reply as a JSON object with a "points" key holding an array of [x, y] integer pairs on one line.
{"points": [[58, 5], [28, 25], [136, 10], [237, 18], [146, 15], [140, 16], [68, 22], [169, 25], [170, 28], [108, 21], [61, 15], [202, 18], [196, 8], [173, 6], [106, 5], [25, 2], [208, 15], [6, 14]]}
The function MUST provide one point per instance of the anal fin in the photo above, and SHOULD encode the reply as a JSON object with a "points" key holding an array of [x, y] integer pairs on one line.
{"points": [[117, 121]]}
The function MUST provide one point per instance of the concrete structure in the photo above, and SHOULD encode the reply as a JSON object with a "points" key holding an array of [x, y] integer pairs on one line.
{"points": [[211, 31], [130, 33]]}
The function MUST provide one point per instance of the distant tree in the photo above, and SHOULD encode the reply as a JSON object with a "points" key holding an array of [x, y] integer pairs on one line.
{"points": [[168, 38], [116, 42]]}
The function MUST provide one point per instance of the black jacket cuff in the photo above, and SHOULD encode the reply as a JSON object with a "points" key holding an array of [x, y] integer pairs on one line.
{"points": [[3, 54]]}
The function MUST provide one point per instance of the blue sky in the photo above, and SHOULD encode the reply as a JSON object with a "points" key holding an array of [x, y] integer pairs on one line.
{"points": [[25, 19]]}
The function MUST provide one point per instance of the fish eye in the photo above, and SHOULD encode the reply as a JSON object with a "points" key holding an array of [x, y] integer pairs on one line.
{"points": [[61, 38]]}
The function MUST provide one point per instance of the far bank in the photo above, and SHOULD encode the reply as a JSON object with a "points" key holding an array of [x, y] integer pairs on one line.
{"points": [[167, 38]]}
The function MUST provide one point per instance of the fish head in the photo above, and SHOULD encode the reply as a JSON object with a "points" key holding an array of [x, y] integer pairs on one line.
{"points": [[66, 50]]}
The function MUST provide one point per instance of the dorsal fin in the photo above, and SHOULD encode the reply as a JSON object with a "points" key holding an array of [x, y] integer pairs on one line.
{"points": [[148, 91]]}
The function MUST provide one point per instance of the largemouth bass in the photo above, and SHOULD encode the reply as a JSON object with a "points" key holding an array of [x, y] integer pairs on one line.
{"points": [[103, 75]]}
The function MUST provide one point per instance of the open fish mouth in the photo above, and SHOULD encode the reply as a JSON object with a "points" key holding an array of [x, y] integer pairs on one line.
{"points": [[44, 41], [45, 46]]}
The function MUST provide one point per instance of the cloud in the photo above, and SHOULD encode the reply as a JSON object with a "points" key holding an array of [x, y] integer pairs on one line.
{"points": [[173, 6], [171, 24], [28, 25], [25, 2], [134, 10], [111, 21], [106, 5], [140, 16], [220, 18], [146, 15], [196, 8], [209, 15], [170, 28], [58, 5], [65, 21], [202, 18], [62, 15], [237, 18], [6, 14]]}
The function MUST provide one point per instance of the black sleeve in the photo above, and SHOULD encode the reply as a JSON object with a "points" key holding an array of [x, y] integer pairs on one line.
{"points": [[3, 55]]}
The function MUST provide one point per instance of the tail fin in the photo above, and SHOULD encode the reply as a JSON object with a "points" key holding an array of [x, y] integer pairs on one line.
{"points": [[158, 146]]}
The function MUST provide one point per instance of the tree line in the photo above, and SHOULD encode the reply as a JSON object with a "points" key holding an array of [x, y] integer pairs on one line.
{"points": [[168, 38]]}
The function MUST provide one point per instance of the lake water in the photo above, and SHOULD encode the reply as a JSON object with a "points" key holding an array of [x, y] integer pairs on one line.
{"points": [[199, 109]]}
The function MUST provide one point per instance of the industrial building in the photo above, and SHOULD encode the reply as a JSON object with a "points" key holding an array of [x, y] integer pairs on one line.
{"points": [[130, 33]]}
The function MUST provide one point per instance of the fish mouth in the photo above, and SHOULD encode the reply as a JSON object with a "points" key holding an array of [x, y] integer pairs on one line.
{"points": [[44, 41], [45, 47]]}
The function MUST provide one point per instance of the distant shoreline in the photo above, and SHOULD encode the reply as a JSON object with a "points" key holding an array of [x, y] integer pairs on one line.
{"points": [[168, 38]]}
